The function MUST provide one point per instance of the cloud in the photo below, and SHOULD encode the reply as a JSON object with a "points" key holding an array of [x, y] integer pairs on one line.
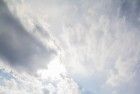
{"points": [[130, 9], [14, 82], [26, 47], [19, 47], [99, 42]]}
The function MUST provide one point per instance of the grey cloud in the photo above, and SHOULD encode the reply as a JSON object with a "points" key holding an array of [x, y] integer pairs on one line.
{"points": [[45, 91], [17, 46], [131, 10]]}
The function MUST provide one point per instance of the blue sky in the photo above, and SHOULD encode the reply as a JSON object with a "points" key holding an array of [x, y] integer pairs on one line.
{"points": [[70, 46]]}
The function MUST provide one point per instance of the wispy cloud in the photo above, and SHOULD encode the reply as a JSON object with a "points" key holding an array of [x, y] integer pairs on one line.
{"points": [[100, 42], [96, 41]]}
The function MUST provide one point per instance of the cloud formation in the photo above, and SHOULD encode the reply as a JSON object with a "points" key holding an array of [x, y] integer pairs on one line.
{"points": [[26, 53], [19, 47], [97, 41]]}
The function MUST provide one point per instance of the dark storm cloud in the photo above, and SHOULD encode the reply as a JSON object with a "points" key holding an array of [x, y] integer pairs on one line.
{"points": [[17, 46]]}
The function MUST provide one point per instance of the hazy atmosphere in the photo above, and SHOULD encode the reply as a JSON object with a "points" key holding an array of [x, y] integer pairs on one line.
{"points": [[69, 46]]}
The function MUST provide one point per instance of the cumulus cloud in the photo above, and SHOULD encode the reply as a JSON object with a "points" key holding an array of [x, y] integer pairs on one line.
{"points": [[12, 81]]}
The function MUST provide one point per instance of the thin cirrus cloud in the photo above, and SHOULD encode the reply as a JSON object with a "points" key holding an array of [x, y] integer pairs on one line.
{"points": [[100, 40]]}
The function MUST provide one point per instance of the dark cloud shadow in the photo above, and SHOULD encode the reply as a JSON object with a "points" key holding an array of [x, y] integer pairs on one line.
{"points": [[21, 49], [130, 9]]}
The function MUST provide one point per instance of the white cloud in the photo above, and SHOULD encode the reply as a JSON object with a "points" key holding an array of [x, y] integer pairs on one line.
{"points": [[98, 43], [97, 40], [59, 82]]}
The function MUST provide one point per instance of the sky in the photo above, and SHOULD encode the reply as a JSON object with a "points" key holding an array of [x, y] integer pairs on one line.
{"points": [[69, 46]]}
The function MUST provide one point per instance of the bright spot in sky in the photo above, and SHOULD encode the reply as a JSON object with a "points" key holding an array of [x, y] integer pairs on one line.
{"points": [[53, 71]]}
